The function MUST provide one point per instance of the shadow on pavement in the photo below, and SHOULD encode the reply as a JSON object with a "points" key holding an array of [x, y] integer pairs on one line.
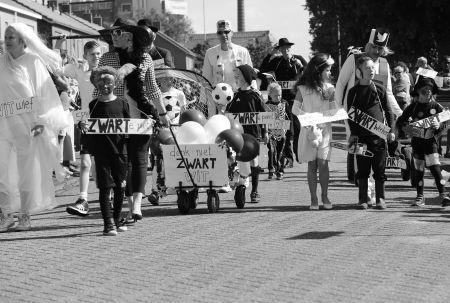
{"points": [[316, 235], [48, 237]]}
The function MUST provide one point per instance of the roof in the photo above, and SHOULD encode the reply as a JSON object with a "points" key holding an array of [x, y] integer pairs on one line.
{"points": [[240, 38], [177, 44], [16, 7], [54, 16]]}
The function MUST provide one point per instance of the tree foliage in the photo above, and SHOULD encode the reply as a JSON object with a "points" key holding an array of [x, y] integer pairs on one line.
{"points": [[258, 50], [417, 27], [177, 27]]}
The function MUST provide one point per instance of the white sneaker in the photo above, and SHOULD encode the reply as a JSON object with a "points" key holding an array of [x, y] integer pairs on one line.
{"points": [[225, 189], [6, 222], [24, 223]]}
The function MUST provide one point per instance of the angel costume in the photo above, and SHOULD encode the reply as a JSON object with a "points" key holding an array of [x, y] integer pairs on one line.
{"points": [[27, 161]]}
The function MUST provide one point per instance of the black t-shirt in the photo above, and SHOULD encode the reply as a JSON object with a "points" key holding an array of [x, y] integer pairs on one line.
{"points": [[108, 144], [245, 101]]}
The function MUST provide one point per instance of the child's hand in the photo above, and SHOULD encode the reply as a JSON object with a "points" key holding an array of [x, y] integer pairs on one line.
{"points": [[390, 137], [352, 140], [82, 125], [126, 69], [435, 124]]}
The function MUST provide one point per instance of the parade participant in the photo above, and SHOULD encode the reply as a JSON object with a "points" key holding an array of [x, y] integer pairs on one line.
{"points": [[444, 92], [247, 99], [370, 98], [142, 93], [316, 94], [287, 69], [28, 138], [160, 56], [277, 137], [109, 151], [221, 60], [425, 151], [82, 73], [401, 86]]}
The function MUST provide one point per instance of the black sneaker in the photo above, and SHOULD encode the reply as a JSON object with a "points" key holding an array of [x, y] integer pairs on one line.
{"points": [[270, 176], [79, 208], [254, 197], [362, 205], [419, 201], [445, 200]]}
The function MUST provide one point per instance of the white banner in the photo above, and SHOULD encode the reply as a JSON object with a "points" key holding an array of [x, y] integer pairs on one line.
{"points": [[426, 122], [126, 126], [331, 115], [287, 84], [426, 72], [368, 122], [206, 162], [9, 108], [80, 115]]}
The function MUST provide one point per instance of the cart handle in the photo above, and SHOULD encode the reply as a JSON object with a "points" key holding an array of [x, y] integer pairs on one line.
{"points": [[182, 156]]}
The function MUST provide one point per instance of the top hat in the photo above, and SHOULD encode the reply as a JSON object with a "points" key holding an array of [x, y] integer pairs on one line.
{"points": [[284, 42], [148, 23], [379, 37]]}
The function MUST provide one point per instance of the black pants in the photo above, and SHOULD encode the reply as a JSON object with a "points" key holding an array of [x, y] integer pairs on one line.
{"points": [[137, 164], [377, 163], [275, 154]]}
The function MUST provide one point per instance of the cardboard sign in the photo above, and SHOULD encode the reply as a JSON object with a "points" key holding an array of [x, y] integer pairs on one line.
{"points": [[426, 72], [426, 133], [206, 162], [288, 85], [426, 122], [322, 117], [9, 108], [80, 115], [395, 162], [279, 124], [125, 126], [250, 118], [368, 122]]}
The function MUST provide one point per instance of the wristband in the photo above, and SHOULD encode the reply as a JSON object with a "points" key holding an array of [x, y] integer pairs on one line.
{"points": [[162, 114]]}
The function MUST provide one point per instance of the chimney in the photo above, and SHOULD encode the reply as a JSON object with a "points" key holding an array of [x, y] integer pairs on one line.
{"points": [[241, 16]]}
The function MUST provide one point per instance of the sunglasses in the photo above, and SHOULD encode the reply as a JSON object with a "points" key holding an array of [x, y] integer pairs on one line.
{"points": [[223, 32]]}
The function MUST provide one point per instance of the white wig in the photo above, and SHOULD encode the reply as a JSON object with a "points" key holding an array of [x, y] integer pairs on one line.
{"points": [[35, 45]]}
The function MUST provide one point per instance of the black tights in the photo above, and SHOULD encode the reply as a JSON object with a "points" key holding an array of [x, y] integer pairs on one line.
{"points": [[436, 172], [105, 206]]}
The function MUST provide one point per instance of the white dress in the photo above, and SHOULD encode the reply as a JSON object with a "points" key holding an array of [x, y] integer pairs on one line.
{"points": [[314, 101], [27, 162]]}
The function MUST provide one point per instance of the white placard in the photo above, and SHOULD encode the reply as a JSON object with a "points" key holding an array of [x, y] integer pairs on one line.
{"points": [[287, 84], [80, 115], [395, 162], [426, 122], [322, 117], [250, 118], [426, 72], [206, 162], [125, 126], [368, 122], [9, 108]]}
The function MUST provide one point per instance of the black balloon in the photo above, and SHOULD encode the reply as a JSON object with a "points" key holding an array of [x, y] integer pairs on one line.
{"points": [[233, 138], [165, 137], [250, 149], [234, 124], [192, 115]]}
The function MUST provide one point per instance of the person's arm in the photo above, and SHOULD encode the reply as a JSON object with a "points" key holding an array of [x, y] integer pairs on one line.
{"points": [[392, 103], [389, 114], [298, 103], [153, 92], [345, 74], [207, 70]]}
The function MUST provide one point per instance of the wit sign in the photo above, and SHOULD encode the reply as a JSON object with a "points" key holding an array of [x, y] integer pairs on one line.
{"points": [[266, 118], [395, 162], [16, 107], [206, 162], [322, 117], [368, 122], [126, 126], [80, 115]]}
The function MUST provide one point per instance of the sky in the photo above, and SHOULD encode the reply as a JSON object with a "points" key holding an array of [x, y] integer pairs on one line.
{"points": [[289, 20]]}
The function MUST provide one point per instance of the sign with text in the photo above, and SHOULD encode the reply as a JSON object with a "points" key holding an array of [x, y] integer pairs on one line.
{"points": [[206, 162], [426, 133], [426, 122], [368, 122], [287, 84], [80, 115], [125, 126], [322, 117], [429, 73], [266, 118], [9, 108], [395, 162]]}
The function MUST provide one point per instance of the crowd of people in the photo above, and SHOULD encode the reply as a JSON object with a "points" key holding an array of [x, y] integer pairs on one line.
{"points": [[38, 137]]}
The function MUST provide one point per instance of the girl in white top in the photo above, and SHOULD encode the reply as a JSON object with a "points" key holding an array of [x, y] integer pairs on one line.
{"points": [[316, 94]]}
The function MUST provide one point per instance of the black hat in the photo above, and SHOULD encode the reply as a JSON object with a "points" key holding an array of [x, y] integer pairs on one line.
{"points": [[422, 82], [248, 72], [122, 22], [148, 23], [283, 42], [379, 37]]}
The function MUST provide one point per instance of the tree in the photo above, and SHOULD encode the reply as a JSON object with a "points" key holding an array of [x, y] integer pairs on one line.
{"points": [[258, 50], [177, 27], [417, 27]]}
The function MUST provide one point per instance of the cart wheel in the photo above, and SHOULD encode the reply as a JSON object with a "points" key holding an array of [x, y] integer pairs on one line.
{"points": [[239, 196], [213, 201], [183, 202], [153, 198], [193, 198]]}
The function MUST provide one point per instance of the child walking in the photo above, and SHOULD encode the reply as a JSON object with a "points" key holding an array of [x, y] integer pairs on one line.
{"points": [[245, 100], [370, 98], [425, 151], [109, 151], [277, 137], [315, 93]]}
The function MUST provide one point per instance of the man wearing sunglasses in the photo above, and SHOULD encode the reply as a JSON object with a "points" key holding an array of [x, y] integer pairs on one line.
{"points": [[221, 60]]}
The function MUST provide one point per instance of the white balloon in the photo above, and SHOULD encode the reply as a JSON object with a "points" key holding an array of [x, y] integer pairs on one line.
{"points": [[190, 133], [214, 126]]}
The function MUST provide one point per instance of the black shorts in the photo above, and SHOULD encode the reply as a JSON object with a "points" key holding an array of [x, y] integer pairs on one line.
{"points": [[111, 170], [84, 150]]}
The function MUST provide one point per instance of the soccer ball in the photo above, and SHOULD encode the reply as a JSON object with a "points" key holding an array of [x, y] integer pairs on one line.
{"points": [[222, 93]]}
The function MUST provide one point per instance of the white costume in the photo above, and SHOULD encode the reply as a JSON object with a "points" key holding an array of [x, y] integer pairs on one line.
{"points": [[219, 65], [347, 78], [27, 161]]}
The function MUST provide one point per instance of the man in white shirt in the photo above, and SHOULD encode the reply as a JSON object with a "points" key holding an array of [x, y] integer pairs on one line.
{"points": [[221, 60]]}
